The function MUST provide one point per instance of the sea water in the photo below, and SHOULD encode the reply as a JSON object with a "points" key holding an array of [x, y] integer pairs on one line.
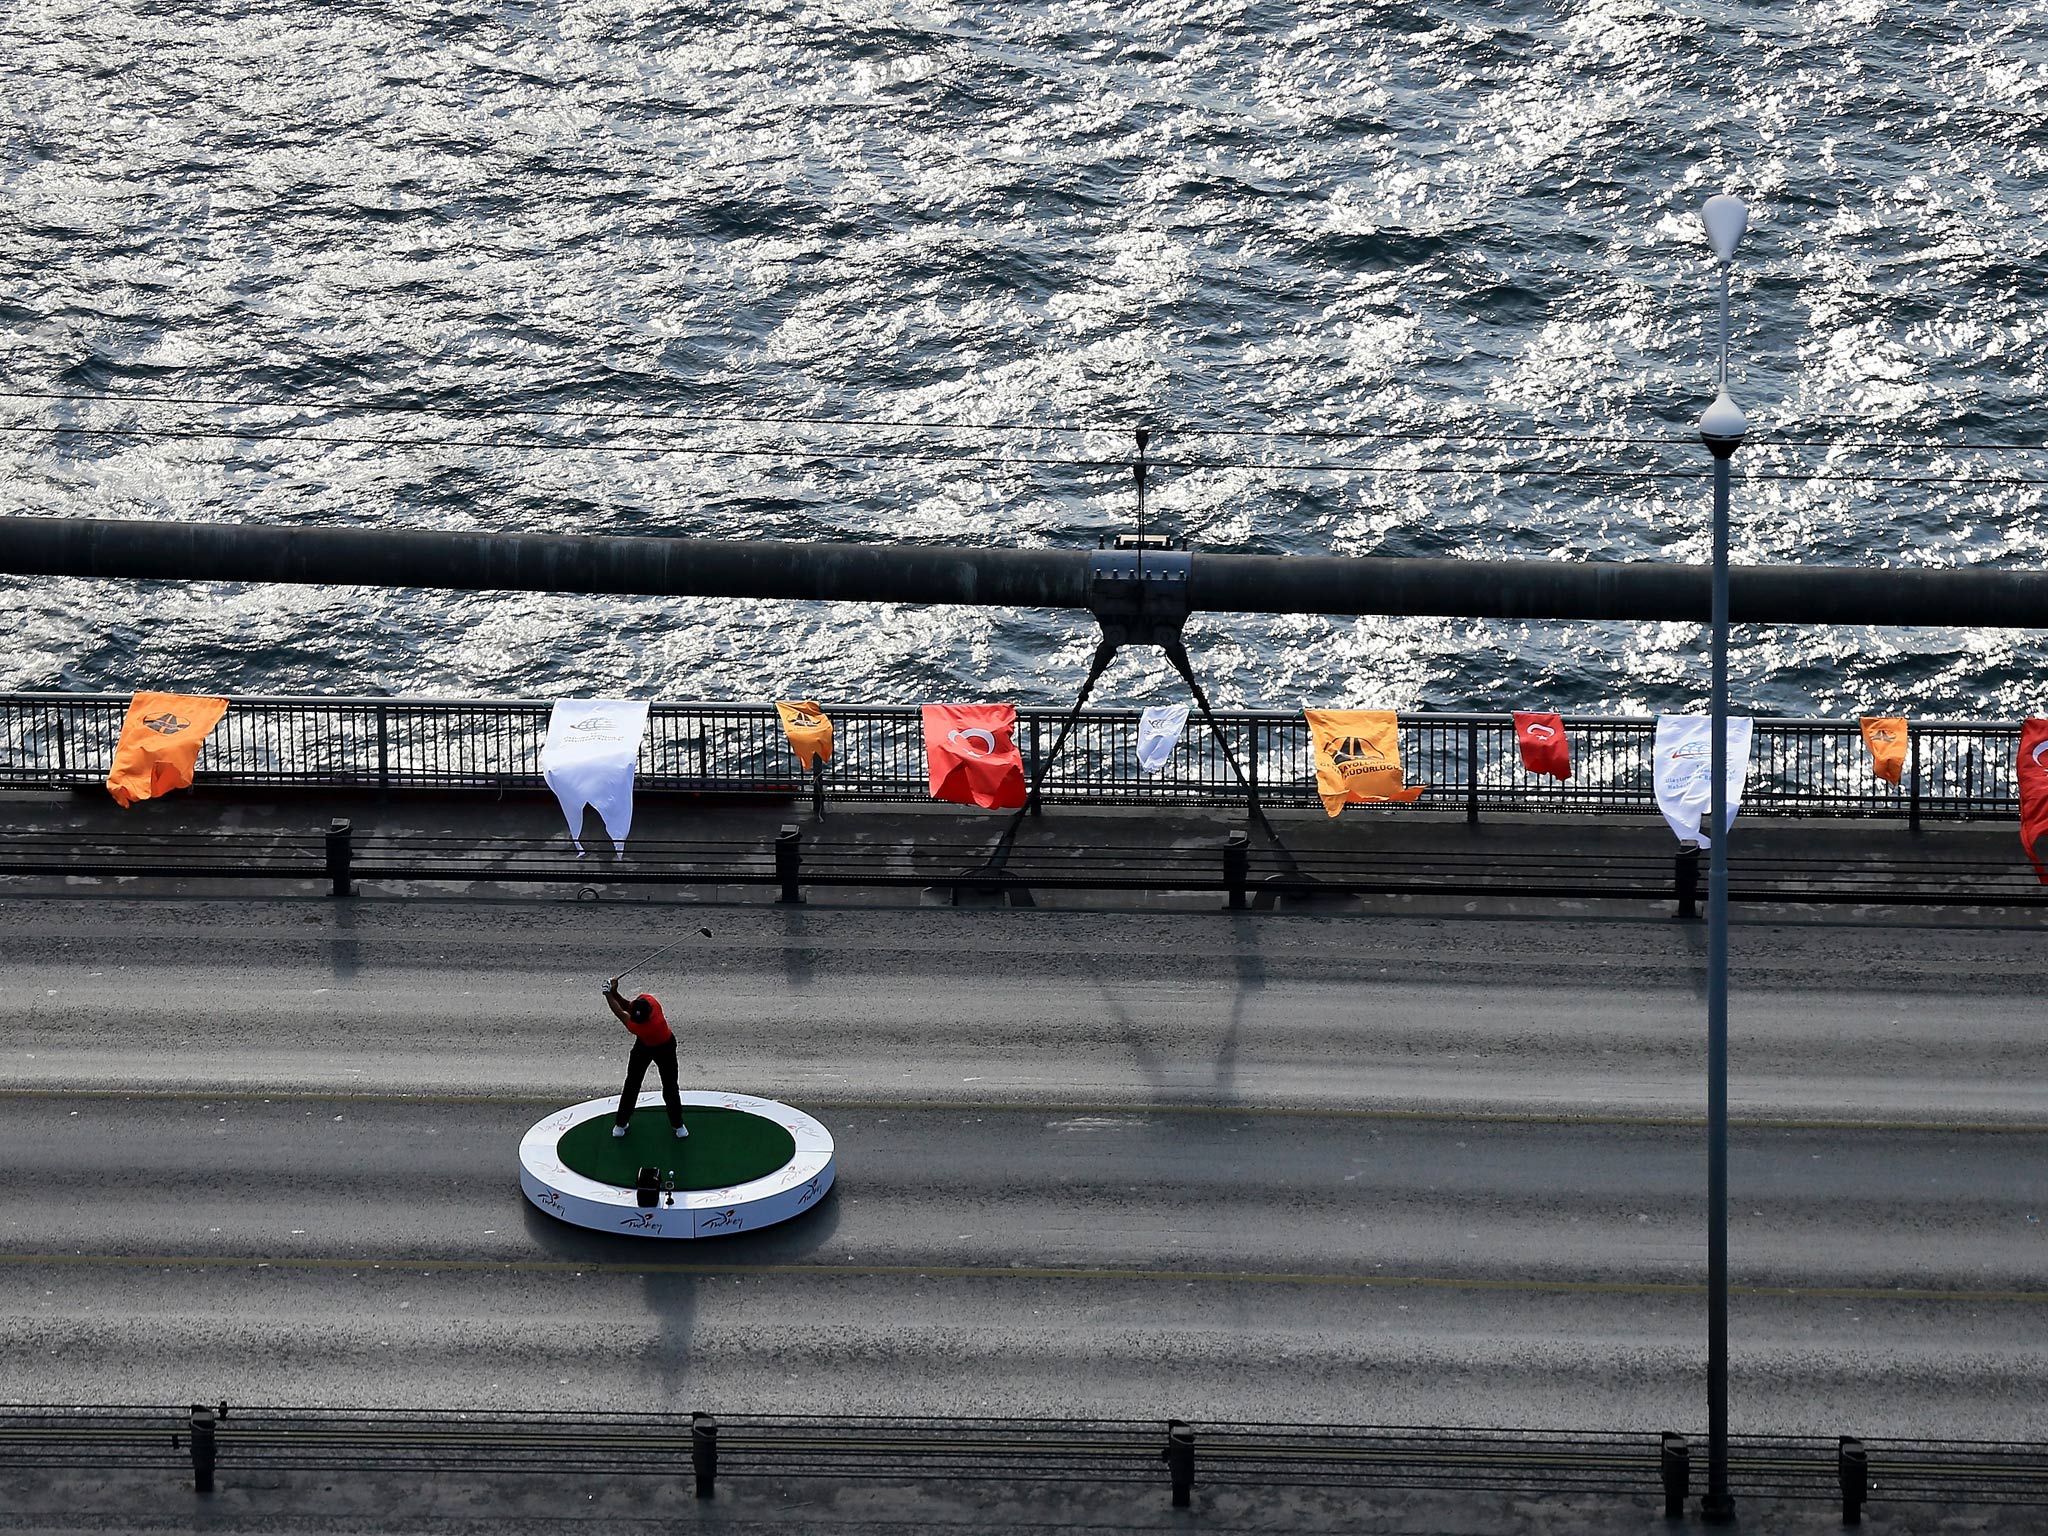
{"points": [[641, 233]]}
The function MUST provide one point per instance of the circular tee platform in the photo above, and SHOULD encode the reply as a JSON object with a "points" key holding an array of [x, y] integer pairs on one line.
{"points": [[746, 1163]]}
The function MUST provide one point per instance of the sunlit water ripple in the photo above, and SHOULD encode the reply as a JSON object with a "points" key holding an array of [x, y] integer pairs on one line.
{"points": [[1194, 215]]}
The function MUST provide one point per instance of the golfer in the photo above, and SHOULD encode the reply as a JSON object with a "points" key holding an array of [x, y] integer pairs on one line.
{"points": [[653, 1041]]}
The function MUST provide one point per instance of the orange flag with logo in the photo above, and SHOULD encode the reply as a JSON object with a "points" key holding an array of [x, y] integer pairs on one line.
{"points": [[1886, 736], [1358, 757], [809, 732], [160, 743]]}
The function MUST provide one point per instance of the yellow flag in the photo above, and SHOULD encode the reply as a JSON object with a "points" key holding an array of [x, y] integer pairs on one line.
{"points": [[810, 733], [1358, 757], [1886, 736], [160, 743]]}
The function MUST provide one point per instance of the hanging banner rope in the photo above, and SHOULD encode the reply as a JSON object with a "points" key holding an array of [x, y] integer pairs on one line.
{"points": [[158, 750], [589, 757]]}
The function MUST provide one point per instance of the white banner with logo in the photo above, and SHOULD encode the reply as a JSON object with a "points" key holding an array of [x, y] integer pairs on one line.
{"points": [[1684, 773], [588, 760], [1159, 731]]}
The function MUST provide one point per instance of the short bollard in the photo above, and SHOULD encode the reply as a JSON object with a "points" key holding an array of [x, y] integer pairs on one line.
{"points": [[704, 1453], [203, 1420], [339, 856], [1674, 1462], [788, 859], [1687, 879], [1852, 1469], [1179, 1457], [1237, 848]]}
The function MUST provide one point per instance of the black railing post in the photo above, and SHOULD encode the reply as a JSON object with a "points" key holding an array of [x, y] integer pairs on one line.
{"points": [[1037, 800], [818, 787], [340, 854], [1852, 1471], [1687, 880], [704, 1453], [788, 861], [1237, 847], [1472, 773], [1913, 790], [383, 746], [1674, 1465], [1251, 761], [203, 1421], [1179, 1457]]}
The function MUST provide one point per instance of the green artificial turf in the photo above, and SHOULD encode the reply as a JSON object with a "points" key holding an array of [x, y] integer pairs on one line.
{"points": [[724, 1147]]}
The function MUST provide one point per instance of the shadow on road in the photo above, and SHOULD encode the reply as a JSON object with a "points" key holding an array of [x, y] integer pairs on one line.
{"points": [[345, 955], [677, 1272]]}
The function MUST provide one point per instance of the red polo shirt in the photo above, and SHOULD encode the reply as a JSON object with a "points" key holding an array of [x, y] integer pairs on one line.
{"points": [[655, 1031]]}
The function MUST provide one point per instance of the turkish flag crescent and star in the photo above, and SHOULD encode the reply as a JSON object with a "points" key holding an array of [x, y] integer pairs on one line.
{"points": [[971, 751], [160, 743], [1544, 746], [2033, 766]]}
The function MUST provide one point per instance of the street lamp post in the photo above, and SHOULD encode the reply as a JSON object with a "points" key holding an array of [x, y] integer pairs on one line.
{"points": [[1721, 429]]}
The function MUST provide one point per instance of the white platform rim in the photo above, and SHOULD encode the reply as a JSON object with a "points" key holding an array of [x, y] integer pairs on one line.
{"points": [[562, 1192]]}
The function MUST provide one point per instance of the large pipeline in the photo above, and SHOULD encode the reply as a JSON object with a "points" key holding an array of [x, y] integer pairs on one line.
{"points": [[1007, 578]]}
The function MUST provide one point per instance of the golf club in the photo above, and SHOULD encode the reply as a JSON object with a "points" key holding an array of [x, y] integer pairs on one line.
{"points": [[646, 960]]}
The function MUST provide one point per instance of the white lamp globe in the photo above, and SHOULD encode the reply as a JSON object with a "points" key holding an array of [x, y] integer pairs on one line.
{"points": [[1726, 217], [1723, 421]]}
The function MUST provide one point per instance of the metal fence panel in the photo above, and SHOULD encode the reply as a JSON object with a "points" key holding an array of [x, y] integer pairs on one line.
{"points": [[1958, 770]]}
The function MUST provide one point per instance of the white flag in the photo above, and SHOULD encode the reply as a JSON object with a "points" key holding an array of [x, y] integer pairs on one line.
{"points": [[1159, 733], [1684, 773], [588, 759]]}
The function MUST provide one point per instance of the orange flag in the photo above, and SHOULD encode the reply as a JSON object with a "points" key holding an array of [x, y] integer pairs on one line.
{"points": [[1358, 757], [1886, 736], [159, 744], [809, 732]]}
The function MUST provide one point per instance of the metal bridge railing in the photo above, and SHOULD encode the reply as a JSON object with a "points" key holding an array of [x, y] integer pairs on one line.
{"points": [[255, 1446], [1958, 770]]}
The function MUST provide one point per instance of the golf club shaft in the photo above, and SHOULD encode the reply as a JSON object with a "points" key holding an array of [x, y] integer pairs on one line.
{"points": [[646, 960]]}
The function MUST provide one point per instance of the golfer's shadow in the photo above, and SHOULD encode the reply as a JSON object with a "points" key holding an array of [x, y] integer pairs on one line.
{"points": [[677, 1280]]}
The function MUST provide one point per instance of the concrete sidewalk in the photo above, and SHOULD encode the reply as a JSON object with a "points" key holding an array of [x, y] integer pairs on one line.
{"points": [[1968, 864]]}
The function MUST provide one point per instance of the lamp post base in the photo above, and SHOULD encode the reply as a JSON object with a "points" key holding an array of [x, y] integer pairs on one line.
{"points": [[1717, 1508]]}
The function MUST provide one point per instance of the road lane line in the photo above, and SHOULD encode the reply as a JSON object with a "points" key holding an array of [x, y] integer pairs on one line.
{"points": [[74, 1096], [828, 1271]]}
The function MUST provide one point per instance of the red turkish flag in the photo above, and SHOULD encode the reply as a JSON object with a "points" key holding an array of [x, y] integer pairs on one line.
{"points": [[1544, 747], [2033, 766], [971, 750]]}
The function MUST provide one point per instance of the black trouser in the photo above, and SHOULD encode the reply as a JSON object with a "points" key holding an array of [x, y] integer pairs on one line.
{"points": [[664, 1057]]}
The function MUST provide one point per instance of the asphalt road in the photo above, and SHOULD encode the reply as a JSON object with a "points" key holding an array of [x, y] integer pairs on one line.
{"points": [[1290, 1167]]}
